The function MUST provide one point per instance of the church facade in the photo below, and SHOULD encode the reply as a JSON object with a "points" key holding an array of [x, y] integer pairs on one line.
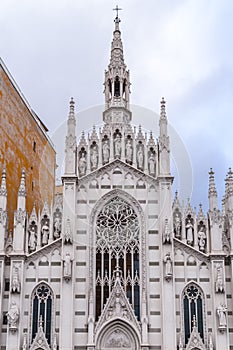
{"points": [[114, 262]]}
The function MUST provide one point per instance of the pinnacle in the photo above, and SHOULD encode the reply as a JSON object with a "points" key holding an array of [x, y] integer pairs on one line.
{"points": [[212, 188]]}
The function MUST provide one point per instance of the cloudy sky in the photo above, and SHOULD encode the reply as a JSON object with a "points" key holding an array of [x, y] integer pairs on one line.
{"points": [[179, 49]]}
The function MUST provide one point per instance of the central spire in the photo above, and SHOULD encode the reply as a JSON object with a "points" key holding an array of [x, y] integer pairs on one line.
{"points": [[117, 76]]}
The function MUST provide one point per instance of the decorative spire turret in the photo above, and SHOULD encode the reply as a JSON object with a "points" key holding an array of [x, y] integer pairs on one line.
{"points": [[3, 191], [164, 143], [70, 159], [22, 193], [229, 195], [213, 197], [116, 84]]}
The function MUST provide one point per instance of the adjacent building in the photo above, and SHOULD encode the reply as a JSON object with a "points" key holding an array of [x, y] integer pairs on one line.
{"points": [[24, 143]]}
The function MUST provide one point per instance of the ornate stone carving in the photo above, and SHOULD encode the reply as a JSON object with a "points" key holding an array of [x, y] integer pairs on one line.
{"points": [[168, 266], [117, 146], [15, 283], [189, 230], [20, 216], [221, 312], [94, 157], [219, 281], [177, 225], [201, 238], [151, 163], [45, 231], [32, 238], [68, 237], [106, 151], [3, 216], [67, 272], [167, 232], [13, 317], [140, 157], [118, 339], [57, 225], [128, 151], [82, 164]]}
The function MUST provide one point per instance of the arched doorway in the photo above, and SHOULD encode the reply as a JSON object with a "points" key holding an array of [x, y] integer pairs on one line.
{"points": [[117, 335]]}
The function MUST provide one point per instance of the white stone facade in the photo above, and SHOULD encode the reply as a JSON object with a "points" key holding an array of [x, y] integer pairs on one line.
{"points": [[114, 262]]}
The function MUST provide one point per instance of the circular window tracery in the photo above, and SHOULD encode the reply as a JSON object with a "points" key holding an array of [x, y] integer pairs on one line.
{"points": [[117, 226]]}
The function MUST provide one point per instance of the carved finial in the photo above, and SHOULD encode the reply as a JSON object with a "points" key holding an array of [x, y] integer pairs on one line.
{"points": [[3, 190], [163, 109], [72, 103], [22, 187], [117, 19], [40, 322], [212, 188], [194, 321], [230, 182]]}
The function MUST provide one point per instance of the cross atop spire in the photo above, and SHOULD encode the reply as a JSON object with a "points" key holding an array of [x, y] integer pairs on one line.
{"points": [[117, 9]]}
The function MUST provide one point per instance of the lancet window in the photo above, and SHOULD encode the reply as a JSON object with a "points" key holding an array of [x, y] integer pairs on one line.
{"points": [[193, 310], [42, 310], [117, 247], [117, 87]]}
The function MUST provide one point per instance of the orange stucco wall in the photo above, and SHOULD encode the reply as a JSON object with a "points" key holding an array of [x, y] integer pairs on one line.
{"points": [[19, 134]]}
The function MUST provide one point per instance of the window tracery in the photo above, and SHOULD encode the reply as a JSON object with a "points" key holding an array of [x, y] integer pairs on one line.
{"points": [[193, 310], [42, 311], [117, 246]]}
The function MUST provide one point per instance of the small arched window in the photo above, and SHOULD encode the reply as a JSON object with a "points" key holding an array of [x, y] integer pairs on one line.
{"points": [[42, 310], [117, 87], [193, 310]]}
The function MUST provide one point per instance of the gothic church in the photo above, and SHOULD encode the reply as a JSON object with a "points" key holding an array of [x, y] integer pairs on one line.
{"points": [[114, 262]]}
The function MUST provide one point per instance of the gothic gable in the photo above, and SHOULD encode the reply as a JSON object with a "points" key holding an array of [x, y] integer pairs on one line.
{"points": [[118, 306], [195, 342]]}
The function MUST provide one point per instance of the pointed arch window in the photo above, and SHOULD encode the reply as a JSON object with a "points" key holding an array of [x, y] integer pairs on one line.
{"points": [[193, 310], [117, 87], [117, 246], [42, 311]]}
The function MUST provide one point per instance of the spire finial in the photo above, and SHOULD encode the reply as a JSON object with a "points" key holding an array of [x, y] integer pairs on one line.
{"points": [[71, 114], [163, 108], [3, 190], [22, 187], [212, 188], [117, 9]]}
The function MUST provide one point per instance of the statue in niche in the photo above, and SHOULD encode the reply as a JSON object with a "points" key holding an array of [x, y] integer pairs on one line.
{"points": [[82, 165], [151, 162], [201, 238], [13, 316], [57, 226], [94, 157], [32, 239], [140, 157], [221, 312], [45, 233], [15, 284], [189, 232], [106, 152], [68, 232], [219, 285], [117, 144], [128, 151], [167, 233], [168, 266], [177, 225], [67, 266]]}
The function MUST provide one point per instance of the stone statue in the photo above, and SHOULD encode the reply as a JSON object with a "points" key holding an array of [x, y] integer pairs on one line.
{"points": [[68, 232], [177, 225], [151, 162], [189, 232], [167, 233], [32, 239], [67, 266], [168, 266], [106, 152], [117, 143], [219, 285], [202, 238], [57, 226], [82, 165], [13, 316], [15, 284], [221, 312], [45, 233], [140, 157], [94, 157], [128, 151]]}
